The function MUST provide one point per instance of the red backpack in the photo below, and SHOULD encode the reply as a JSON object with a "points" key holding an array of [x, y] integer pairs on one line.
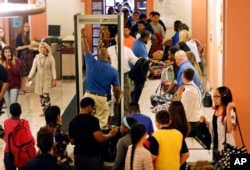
{"points": [[21, 144]]}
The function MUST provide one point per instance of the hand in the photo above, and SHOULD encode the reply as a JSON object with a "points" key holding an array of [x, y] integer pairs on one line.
{"points": [[202, 119], [83, 32], [53, 83], [113, 131], [231, 105]]}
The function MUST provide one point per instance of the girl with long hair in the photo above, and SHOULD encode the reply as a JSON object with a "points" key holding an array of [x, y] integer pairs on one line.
{"points": [[24, 53], [223, 120], [179, 121], [13, 67], [138, 157]]}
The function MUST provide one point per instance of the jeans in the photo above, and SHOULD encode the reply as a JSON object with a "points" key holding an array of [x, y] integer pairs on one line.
{"points": [[10, 97], [137, 92]]}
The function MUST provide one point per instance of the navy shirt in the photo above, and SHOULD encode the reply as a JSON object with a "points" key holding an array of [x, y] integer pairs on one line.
{"points": [[100, 75], [144, 120]]}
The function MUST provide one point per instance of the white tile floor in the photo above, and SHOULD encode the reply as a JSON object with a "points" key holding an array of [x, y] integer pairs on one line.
{"points": [[62, 95]]}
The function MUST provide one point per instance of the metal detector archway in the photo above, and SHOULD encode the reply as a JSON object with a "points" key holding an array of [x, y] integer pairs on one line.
{"points": [[79, 21]]}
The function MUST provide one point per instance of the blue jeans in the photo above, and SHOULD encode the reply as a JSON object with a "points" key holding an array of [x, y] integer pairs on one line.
{"points": [[10, 97], [137, 92]]}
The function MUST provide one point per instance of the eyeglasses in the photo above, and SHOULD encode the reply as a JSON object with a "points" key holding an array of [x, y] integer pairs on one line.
{"points": [[216, 96]]}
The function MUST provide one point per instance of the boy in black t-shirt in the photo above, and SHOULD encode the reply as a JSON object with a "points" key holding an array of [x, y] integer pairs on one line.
{"points": [[86, 135]]}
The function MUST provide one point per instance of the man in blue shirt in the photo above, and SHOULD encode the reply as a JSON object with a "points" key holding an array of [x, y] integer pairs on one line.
{"points": [[100, 76], [134, 112], [183, 63], [140, 50]]}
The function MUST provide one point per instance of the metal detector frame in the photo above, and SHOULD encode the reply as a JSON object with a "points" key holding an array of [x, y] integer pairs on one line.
{"points": [[79, 22]]}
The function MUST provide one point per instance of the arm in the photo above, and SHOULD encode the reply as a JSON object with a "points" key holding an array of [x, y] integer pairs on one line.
{"points": [[100, 137], [53, 69], [33, 69], [4, 89], [117, 93], [85, 44], [184, 157], [179, 92], [184, 152], [230, 124]]}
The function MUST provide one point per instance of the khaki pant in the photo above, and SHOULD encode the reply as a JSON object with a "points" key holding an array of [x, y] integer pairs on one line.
{"points": [[102, 108]]}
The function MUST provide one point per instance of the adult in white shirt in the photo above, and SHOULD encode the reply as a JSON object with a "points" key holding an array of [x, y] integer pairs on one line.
{"points": [[128, 58], [191, 99]]}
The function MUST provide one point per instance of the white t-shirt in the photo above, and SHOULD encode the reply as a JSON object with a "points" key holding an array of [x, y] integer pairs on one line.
{"points": [[128, 57], [191, 99], [193, 47]]}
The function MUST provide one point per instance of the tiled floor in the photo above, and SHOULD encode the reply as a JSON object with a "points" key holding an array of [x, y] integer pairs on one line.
{"points": [[62, 95]]}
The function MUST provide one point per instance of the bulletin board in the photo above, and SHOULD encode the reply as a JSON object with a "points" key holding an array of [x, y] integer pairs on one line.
{"points": [[167, 9]]}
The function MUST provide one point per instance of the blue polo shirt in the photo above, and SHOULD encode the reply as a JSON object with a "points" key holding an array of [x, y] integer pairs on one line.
{"points": [[100, 75], [139, 49], [183, 66], [144, 120]]}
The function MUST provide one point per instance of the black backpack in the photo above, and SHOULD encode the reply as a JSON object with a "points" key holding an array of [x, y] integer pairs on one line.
{"points": [[202, 135], [139, 71]]}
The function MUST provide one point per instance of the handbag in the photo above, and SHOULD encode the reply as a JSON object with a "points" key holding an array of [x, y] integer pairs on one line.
{"points": [[207, 100], [202, 135], [158, 98], [224, 161]]}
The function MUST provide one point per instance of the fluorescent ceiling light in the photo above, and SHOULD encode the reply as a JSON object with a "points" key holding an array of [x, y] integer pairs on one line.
{"points": [[19, 9]]}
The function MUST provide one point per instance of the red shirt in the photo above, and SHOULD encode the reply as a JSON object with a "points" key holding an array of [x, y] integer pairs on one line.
{"points": [[14, 74]]}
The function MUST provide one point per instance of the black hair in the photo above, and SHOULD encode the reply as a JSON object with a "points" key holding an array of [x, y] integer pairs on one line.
{"points": [[15, 109], [177, 24], [138, 130], [154, 13], [142, 16], [85, 102], [135, 107], [127, 26], [174, 49], [144, 34], [188, 73], [178, 117], [163, 117], [226, 97], [51, 114], [141, 22], [131, 121], [11, 52], [183, 46], [44, 139]]}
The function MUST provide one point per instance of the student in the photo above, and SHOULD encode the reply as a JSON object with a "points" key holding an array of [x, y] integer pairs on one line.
{"points": [[123, 143], [191, 99], [45, 160], [44, 68], [61, 139], [167, 145], [138, 157], [13, 67], [85, 133], [223, 120], [134, 112], [9, 126]]}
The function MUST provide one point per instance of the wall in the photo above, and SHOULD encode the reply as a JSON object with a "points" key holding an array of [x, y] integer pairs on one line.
{"points": [[62, 13], [236, 60]]}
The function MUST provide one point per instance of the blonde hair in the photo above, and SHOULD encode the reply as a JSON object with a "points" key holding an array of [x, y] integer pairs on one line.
{"points": [[192, 60], [184, 36], [202, 165]]}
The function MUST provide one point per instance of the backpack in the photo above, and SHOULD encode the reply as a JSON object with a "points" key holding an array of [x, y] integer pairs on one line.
{"points": [[139, 71], [21, 144]]}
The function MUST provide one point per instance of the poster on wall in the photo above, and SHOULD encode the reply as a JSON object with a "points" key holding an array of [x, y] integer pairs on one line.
{"points": [[16, 22], [167, 9]]}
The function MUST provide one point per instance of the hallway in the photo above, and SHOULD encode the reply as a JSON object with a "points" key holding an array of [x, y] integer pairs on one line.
{"points": [[63, 94]]}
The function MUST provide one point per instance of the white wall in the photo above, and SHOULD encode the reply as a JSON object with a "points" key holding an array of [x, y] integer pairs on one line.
{"points": [[61, 12], [183, 12]]}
